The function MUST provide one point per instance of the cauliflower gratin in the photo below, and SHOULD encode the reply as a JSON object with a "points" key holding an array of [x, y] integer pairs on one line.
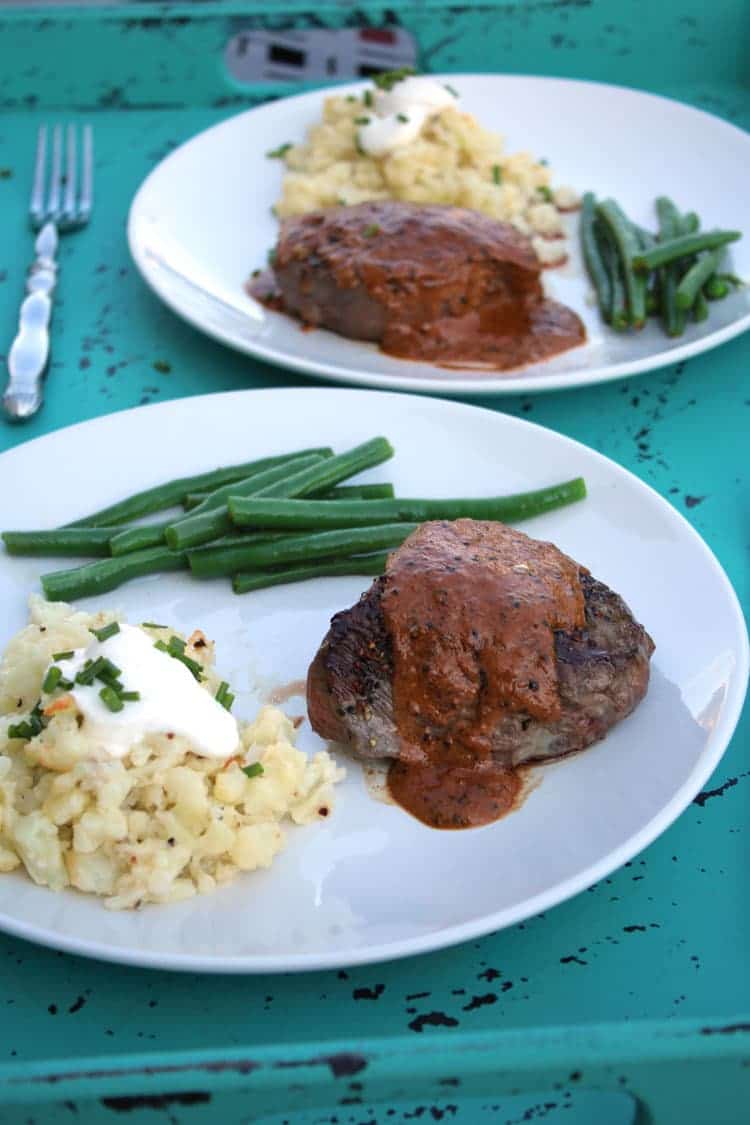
{"points": [[407, 139], [101, 790]]}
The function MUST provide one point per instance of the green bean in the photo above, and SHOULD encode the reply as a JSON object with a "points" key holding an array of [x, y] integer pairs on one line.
{"points": [[60, 541], [256, 481], [321, 514], [107, 574], [297, 549], [592, 257], [668, 213], [333, 471], [243, 540], [733, 280], [683, 246], [625, 239], [203, 525], [377, 491], [211, 518], [137, 538], [619, 304], [646, 241], [716, 288], [384, 491], [170, 494], [672, 317], [372, 565], [700, 307], [698, 274]]}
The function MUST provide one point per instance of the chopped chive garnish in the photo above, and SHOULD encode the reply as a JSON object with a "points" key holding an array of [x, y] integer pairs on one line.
{"points": [[371, 230], [90, 671], [21, 730], [402, 117], [389, 78], [37, 718], [30, 727], [193, 666], [63, 655], [271, 256], [66, 685], [108, 668], [544, 161], [361, 120], [350, 98], [546, 193], [130, 696], [176, 649], [110, 680], [152, 625], [497, 174], [367, 98], [278, 153], [255, 770], [52, 679], [224, 695], [106, 631], [450, 89], [111, 700]]}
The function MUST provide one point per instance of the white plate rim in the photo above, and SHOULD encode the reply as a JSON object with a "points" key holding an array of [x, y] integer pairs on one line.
{"points": [[487, 385], [476, 927]]}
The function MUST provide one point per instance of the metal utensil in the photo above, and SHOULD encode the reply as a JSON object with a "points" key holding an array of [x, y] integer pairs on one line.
{"points": [[62, 207]]}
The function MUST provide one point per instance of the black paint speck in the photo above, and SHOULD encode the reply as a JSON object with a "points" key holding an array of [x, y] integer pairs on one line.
{"points": [[52, 1009], [693, 501], [162, 366], [368, 993], [432, 1019], [480, 1001], [719, 791], [77, 1005]]}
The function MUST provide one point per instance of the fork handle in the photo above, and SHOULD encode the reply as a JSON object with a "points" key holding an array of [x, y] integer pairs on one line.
{"points": [[29, 352]]}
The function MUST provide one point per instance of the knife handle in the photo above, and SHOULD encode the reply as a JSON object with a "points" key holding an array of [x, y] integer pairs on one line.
{"points": [[29, 352]]}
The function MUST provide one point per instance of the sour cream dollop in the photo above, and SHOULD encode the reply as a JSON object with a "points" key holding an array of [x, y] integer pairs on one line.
{"points": [[171, 699], [399, 113]]}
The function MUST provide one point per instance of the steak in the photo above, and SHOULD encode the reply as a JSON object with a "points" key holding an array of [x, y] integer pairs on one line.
{"points": [[600, 667], [425, 282]]}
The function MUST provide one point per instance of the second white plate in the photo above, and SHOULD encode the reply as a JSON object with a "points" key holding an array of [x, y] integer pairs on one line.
{"points": [[201, 222]]}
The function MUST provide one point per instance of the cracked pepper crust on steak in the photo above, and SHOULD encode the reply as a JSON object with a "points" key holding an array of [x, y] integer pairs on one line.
{"points": [[484, 677]]}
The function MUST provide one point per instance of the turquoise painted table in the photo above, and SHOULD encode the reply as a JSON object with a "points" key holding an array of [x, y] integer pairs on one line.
{"points": [[629, 1003]]}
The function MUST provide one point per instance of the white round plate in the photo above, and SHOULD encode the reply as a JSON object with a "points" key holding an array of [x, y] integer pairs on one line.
{"points": [[201, 222], [372, 883]]}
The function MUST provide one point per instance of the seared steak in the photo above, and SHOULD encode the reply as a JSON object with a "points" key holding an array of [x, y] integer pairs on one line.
{"points": [[426, 282], [600, 673]]}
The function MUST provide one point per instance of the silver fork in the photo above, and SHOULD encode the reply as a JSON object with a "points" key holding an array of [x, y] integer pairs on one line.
{"points": [[57, 204]]}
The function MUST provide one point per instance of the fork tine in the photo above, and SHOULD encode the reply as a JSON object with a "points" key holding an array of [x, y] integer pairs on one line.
{"points": [[36, 204], [86, 198], [69, 204], [53, 201]]}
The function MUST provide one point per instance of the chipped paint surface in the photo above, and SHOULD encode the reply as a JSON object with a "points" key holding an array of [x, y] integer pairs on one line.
{"points": [[640, 950]]}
